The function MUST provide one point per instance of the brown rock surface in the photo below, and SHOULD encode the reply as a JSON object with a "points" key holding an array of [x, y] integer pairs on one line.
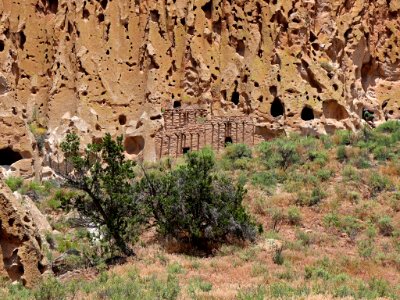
{"points": [[20, 244], [112, 66]]}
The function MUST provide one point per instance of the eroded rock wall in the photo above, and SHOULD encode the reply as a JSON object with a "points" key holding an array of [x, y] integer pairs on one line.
{"points": [[21, 255], [114, 65]]}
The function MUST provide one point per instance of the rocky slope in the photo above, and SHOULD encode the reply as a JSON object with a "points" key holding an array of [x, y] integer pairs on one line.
{"points": [[21, 257], [115, 65]]}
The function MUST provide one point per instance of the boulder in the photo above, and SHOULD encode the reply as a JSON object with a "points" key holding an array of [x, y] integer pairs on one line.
{"points": [[21, 256]]}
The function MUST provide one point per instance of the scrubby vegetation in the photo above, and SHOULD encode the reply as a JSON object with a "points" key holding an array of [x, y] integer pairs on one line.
{"points": [[189, 202], [327, 211]]}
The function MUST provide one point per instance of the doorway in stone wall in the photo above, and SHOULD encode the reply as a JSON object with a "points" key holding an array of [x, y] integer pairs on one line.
{"points": [[228, 141]]}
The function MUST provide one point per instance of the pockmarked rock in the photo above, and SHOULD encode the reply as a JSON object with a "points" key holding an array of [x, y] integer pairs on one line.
{"points": [[21, 257], [256, 68]]}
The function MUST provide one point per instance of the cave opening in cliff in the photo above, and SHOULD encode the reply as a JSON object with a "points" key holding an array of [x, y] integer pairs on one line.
{"points": [[185, 150], [307, 114], [207, 9], [22, 39], [134, 145], [9, 156], [240, 48], [228, 141], [235, 98], [277, 108], [104, 4], [2, 46], [52, 6], [177, 104], [122, 120]]}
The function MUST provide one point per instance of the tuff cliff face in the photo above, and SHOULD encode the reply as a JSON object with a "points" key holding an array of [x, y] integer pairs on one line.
{"points": [[21, 257], [115, 65]]}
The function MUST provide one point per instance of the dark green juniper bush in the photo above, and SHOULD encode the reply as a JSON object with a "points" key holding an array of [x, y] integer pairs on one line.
{"points": [[107, 180], [192, 203]]}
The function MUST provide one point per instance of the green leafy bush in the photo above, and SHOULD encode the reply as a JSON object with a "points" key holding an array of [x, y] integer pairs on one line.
{"points": [[324, 174], [365, 248], [341, 153], [378, 183], [385, 225], [344, 137], [106, 179], [307, 199], [382, 153], [319, 157], [237, 151], [265, 179], [294, 215], [195, 205], [280, 153]]}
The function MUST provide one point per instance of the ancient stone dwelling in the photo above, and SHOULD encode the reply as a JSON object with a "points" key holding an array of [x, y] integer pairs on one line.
{"points": [[193, 129]]}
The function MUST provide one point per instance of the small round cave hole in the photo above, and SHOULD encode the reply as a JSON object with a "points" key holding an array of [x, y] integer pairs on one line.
{"points": [[134, 144], [307, 114], [9, 156], [277, 108], [177, 104], [122, 119]]}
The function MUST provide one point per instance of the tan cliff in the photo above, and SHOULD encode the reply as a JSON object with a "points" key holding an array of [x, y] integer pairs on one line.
{"points": [[118, 66], [21, 245]]}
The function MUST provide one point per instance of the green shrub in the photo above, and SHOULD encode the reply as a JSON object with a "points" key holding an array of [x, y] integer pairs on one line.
{"points": [[277, 217], [350, 225], [385, 225], [14, 183], [282, 290], [198, 284], [378, 183], [257, 293], [365, 248], [344, 137], [361, 160], [341, 153], [265, 179], [280, 152], [62, 198], [350, 174], [391, 126], [237, 151], [306, 199], [51, 289], [324, 174], [194, 204], [294, 216], [319, 157], [278, 258], [304, 238], [382, 153], [175, 268], [104, 176], [326, 141], [354, 196], [331, 220]]}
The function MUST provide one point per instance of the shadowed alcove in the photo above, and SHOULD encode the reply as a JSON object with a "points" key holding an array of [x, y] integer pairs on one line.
{"points": [[9, 156]]}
